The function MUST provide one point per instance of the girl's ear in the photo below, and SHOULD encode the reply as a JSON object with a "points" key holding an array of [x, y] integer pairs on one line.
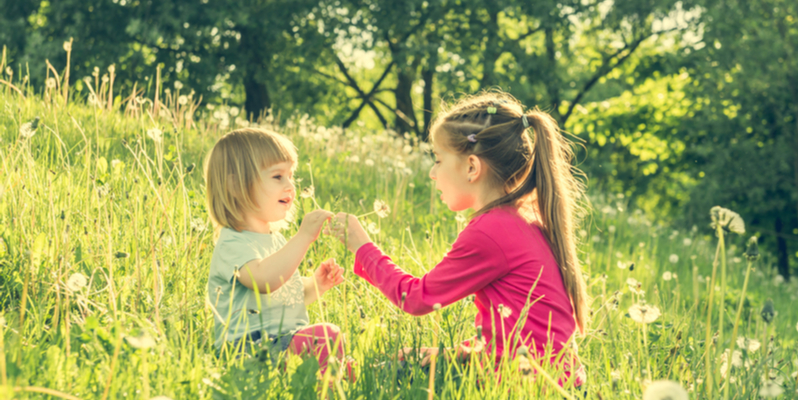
{"points": [[474, 168]]}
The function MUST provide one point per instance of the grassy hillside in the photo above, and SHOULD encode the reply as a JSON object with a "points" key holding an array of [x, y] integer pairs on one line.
{"points": [[118, 199]]}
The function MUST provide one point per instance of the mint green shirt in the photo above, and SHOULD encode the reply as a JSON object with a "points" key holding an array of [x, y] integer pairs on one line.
{"points": [[237, 308]]}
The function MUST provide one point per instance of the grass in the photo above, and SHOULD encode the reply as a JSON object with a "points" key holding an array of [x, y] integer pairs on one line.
{"points": [[91, 193]]}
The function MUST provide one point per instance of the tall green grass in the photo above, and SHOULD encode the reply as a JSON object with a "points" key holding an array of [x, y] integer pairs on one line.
{"points": [[92, 193]]}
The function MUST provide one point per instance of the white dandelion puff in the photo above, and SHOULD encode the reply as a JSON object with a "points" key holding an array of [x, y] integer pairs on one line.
{"points": [[667, 276], [632, 282], [687, 241], [770, 389], [369, 162], [182, 100], [380, 208], [198, 224], [155, 134], [76, 282], [67, 46], [644, 314], [612, 229], [748, 344], [141, 342], [673, 258], [307, 192], [665, 390], [727, 220], [178, 85], [27, 130], [505, 312], [373, 229]]}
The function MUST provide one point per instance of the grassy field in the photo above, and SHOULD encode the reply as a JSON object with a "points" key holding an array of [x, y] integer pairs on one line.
{"points": [[105, 247]]}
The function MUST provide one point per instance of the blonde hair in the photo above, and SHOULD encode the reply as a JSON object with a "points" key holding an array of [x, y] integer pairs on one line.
{"points": [[533, 164], [232, 168]]}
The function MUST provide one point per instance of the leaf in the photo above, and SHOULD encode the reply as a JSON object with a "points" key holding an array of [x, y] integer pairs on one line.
{"points": [[36, 252]]}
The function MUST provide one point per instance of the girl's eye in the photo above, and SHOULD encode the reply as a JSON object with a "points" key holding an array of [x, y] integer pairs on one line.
{"points": [[278, 177]]}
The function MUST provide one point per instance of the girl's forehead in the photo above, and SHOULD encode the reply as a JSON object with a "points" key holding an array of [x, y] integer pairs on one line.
{"points": [[281, 166]]}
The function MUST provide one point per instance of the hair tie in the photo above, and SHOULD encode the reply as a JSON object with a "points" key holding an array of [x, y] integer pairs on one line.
{"points": [[525, 120], [472, 138]]}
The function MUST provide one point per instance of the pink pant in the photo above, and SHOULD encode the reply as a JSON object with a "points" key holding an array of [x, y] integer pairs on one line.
{"points": [[311, 341]]}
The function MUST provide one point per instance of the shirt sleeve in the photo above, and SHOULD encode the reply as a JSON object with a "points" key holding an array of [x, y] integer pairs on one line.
{"points": [[474, 262], [234, 254]]}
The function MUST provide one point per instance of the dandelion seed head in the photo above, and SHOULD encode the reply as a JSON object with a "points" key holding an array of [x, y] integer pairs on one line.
{"points": [[612, 229], [373, 229], [644, 314], [76, 282], [437, 306], [665, 390], [687, 241], [667, 276], [178, 85], [380, 208], [770, 389], [182, 100], [198, 225], [308, 192], [673, 258], [726, 219], [9, 71], [154, 134], [369, 162], [141, 342], [67, 46], [27, 130]]}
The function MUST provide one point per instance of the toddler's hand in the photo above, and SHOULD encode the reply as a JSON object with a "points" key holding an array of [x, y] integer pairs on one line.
{"points": [[347, 228], [328, 275], [312, 223]]}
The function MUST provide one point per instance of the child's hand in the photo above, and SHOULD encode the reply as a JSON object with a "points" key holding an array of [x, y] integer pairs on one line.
{"points": [[328, 275], [348, 229], [312, 224]]}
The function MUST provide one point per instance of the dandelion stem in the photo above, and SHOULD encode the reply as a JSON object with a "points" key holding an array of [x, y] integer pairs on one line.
{"points": [[722, 283], [736, 328], [709, 374]]}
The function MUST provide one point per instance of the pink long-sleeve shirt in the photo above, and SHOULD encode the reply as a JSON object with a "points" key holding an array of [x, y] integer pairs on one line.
{"points": [[498, 257]]}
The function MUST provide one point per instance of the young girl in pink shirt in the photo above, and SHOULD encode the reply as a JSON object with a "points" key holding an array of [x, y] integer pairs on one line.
{"points": [[517, 252]]}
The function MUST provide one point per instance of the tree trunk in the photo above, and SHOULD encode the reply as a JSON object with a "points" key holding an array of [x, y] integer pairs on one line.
{"points": [[551, 76], [492, 48], [783, 254], [405, 118], [427, 94], [257, 101]]}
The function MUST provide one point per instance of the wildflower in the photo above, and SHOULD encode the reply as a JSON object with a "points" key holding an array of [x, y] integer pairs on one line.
{"points": [[770, 389], [667, 276], [437, 306], [26, 130], [632, 282], [673, 258], [736, 260], [373, 229], [622, 265], [50, 83], [596, 238], [726, 219], [664, 390], [198, 225], [461, 218], [67, 46], [114, 163], [641, 245], [182, 99], [355, 159], [778, 280], [687, 241], [505, 312], [751, 254], [582, 233], [369, 162], [307, 192], [104, 79], [141, 342], [612, 229], [178, 85], [750, 345], [615, 375], [380, 208], [644, 314], [76, 282], [155, 134], [9, 72], [234, 111], [111, 69], [768, 312]]}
